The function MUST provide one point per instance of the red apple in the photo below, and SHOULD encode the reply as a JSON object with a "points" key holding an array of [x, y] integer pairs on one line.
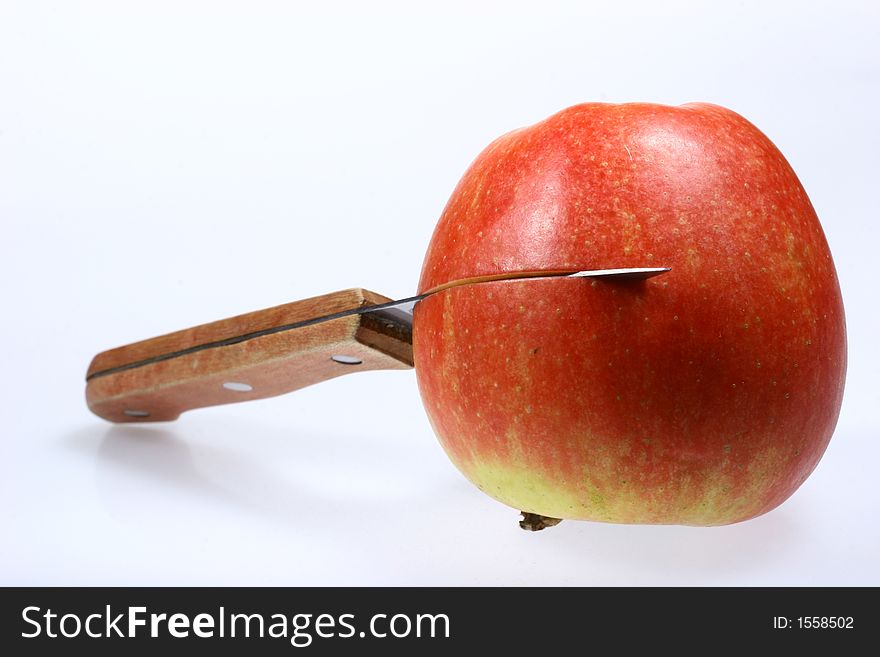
{"points": [[704, 396]]}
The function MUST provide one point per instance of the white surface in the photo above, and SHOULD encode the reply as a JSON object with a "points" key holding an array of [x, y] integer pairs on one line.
{"points": [[182, 162]]}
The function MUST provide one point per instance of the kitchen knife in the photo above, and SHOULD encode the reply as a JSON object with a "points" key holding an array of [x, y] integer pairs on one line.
{"points": [[273, 351]]}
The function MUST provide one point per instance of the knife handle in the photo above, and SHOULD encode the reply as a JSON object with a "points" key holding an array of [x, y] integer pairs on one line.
{"points": [[252, 356]]}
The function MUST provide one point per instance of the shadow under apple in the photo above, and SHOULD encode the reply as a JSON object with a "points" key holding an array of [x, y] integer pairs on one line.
{"points": [[667, 555]]}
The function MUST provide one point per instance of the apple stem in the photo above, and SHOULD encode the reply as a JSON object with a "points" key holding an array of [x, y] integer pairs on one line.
{"points": [[534, 522]]}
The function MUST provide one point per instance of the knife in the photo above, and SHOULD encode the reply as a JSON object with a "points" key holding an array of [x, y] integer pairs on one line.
{"points": [[273, 351]]}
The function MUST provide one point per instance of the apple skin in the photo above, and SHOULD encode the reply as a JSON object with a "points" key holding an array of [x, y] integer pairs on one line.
{"points": [[704, 396]]}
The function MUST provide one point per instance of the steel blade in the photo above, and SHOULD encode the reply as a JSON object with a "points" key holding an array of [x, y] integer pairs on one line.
{"points": [[401, 310]]}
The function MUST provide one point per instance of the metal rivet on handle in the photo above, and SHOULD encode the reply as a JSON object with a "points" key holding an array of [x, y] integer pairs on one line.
{"points": [[237, 386], [346, 360]]}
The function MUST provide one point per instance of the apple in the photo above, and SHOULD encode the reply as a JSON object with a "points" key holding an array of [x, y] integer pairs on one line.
{"points": [[703, 396]]}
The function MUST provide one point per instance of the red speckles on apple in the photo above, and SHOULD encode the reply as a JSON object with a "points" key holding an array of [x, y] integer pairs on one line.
{"points": [[711, 391]]}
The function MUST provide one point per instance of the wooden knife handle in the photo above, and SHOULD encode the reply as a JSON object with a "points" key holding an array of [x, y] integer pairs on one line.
{"points": [[252, 356]]}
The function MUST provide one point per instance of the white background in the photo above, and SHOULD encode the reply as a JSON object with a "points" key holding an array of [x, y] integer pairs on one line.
{"points": [[176, 163]]}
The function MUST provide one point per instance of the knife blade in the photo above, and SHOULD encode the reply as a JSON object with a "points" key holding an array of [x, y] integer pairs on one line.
{"points": [[405, 307], [273, 351]]}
